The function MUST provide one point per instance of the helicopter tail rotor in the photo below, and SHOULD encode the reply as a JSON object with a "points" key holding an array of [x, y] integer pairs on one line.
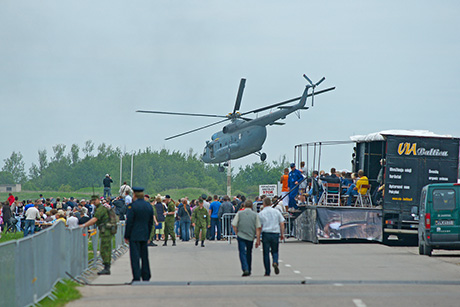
{"points": [[313, 86]]}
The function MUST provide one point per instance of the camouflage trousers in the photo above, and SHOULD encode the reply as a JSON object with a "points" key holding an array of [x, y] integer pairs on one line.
{"points": [[201, 228], [106, 249], [169, 230]]}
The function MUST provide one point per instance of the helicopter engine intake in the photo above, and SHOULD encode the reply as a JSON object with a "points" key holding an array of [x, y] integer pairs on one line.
{"points": [[230, 127]]}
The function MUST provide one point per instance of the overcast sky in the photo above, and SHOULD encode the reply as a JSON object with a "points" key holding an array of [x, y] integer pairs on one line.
{"points": [[72, 71]]}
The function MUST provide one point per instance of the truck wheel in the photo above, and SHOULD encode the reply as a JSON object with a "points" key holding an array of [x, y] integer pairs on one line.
{"points": [[421, 248], [427, 250]]}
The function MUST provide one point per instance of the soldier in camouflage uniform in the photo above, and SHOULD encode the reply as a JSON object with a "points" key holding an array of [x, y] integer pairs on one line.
{"points": [[101, 219], [169, 221], [201, 220]]}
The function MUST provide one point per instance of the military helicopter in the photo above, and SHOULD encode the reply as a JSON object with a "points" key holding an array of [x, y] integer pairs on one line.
{"points": [[244, 136]]}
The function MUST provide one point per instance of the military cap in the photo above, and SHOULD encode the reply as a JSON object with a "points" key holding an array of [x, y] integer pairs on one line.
{"points": [[138, 189], [167, 196], [203, 196]]}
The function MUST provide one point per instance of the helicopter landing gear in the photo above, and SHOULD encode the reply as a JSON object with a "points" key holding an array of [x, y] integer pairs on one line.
{"points": [[262, 155], [221, 169]]}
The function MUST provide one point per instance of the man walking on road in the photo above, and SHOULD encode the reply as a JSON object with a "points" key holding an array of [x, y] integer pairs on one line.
{"points": [[201, 221], [246, 225], [272, 230], [139, 223]]}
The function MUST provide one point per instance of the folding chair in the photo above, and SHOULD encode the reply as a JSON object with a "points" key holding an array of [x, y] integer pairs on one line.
{"points": [[364, 200], [332, 194]]}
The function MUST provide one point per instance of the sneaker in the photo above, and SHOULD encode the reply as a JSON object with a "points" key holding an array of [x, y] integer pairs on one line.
{"points": [[196, 243], [246, 273], [165, 244], [277, 269], [174, 243]]}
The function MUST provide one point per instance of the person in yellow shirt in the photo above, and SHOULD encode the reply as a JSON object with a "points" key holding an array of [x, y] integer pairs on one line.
{"points": [[361, 181], [356, 188]]}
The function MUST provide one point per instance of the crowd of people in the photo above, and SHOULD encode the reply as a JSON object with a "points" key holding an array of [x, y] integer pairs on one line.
{"points": [[299, 189]]}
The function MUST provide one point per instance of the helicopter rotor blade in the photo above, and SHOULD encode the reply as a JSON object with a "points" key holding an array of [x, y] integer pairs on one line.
{"points": [[194, 130], [183, 114], [239, 96], [308, 79], [320, 81], [287, 101]]}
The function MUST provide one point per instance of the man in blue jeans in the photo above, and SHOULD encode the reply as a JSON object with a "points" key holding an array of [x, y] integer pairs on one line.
{"points": [[246, 225], [215, 223], [31, 215], [272, 230]]}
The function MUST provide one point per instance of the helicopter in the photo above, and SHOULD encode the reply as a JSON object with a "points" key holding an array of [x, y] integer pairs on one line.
{"points": [[244, 136]]}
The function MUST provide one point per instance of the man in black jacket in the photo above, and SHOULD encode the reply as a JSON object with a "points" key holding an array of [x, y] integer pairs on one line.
{"points": [[107, 186], [139, 223]]}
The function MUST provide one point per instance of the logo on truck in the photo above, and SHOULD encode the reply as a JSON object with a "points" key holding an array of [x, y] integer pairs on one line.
{"points": [[411, 149]]}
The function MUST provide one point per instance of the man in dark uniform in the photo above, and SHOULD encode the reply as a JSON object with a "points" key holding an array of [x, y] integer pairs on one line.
{"points": [[139, 223]]}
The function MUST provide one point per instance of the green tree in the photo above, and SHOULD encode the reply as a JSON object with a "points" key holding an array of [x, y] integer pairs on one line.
{"points": [[6, 178], [15, 166]]}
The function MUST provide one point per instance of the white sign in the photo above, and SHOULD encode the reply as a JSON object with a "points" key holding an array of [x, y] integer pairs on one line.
{"points": [[268, 190]]}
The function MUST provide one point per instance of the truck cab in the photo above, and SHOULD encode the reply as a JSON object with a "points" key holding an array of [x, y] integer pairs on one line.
{"points": [[439, 226]]}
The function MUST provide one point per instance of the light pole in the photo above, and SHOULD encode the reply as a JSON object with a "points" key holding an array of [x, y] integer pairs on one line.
{"points": [[121, 168], [132, 164]]}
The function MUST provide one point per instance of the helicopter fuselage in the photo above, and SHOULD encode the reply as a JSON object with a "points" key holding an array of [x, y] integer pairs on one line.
{"points": [[240, 141]]}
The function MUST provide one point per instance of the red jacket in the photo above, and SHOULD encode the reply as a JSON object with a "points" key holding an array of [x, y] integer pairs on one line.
{"points": [[11, 199]]}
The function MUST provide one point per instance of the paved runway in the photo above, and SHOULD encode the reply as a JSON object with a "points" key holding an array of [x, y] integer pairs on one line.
{"points": [[311, 275]]}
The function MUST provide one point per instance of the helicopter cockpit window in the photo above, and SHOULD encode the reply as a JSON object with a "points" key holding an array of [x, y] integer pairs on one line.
{"points": [[239, 136]]}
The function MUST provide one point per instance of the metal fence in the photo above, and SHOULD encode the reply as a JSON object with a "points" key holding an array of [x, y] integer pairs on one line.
{"points": [[30, 267], [229, 234]]}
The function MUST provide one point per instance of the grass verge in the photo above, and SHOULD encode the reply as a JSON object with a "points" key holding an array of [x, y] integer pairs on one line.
{"points": [[65, 292], [11, 236]]}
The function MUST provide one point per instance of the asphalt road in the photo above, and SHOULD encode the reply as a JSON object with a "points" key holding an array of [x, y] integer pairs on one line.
{"points": [[338, 274]]}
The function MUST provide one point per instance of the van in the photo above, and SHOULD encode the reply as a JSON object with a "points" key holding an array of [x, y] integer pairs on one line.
{"points": [[439, 226]]}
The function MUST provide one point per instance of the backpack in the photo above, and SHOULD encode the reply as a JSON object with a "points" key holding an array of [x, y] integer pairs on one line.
{"points": [[113, 220]]}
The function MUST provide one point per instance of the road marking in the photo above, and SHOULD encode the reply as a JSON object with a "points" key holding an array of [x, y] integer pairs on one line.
{"points": [[359, 303], [338, 285], [297, 272], [287, 265], [308, 277], [279, 260]]}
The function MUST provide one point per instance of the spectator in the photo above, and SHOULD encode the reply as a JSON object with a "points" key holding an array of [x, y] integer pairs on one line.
{"points": [[84, 218], [215, 223], [128, 199], [272, 231], [32, 214], [125, 188], [185, 214], [225, 208], [295, 176], [246, 225], [107, 186], [10, 199], [72, 221]]}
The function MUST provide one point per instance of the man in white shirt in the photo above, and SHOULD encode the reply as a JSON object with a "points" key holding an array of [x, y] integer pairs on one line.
{"points": [[72, 221], [31, 215], [128, 198], [272, 230], [125, 188]]}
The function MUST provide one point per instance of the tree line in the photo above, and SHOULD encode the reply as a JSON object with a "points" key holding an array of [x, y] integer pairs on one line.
{"points": [[156, 170]]}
